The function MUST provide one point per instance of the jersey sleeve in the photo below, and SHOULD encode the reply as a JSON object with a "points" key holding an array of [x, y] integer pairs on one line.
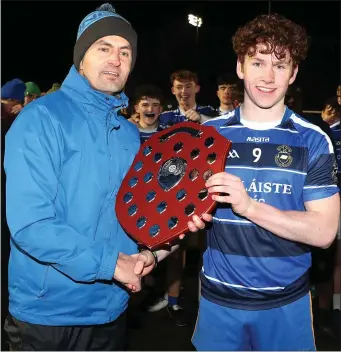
{"points": [[321, 180]]}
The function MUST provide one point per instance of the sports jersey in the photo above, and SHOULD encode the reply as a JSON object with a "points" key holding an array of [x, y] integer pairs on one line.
{"points": [[144, 135], [220, 112], [336, 135], [246, 266], [171, 117]]}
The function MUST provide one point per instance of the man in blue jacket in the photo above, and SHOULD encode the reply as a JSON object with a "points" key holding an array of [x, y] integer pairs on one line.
{"points": [[65, 158]]}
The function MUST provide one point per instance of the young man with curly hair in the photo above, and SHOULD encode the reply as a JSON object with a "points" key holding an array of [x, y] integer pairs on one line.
{"points": [[274, 203]]}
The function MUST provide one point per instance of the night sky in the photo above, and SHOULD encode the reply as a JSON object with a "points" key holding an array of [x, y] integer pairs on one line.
{"points": [[38, 38]]}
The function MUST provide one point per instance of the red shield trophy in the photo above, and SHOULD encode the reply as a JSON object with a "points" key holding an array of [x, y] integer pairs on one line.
{"points": [[165, 185]]}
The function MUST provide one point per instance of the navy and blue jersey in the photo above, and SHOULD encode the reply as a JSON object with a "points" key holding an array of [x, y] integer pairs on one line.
{"points": [[145, 135], [336, 135], [246, 266], [171, 117], [219, 112]]}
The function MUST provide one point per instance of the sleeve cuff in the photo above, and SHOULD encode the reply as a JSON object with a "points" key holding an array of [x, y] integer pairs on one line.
{"points": [[108, 265], [320, 195]]}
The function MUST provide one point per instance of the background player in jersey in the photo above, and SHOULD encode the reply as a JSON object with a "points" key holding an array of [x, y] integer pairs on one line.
{"points": [[275, 200], [185, 86], [331, 115], [226, 86], [148, 106]]}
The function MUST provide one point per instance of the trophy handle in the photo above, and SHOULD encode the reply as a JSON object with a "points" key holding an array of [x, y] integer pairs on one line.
{"points": [[190, 130]]}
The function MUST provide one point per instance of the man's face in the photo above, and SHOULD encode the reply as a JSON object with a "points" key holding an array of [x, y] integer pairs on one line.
{"points": [[266, 79], [29, 98], [107, 64], [9, 104], [149, 110], [224, 93], [338, 94], [185, 91]]}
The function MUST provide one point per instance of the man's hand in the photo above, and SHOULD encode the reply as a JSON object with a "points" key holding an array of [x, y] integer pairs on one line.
{"points": [[145, 263], [145, 260], [232, 191], [124, 272], [193, 115], [16, 109]]}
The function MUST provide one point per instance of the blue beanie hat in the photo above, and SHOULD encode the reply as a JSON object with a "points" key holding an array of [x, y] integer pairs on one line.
{"points": [[101, 23], [13, 89]]}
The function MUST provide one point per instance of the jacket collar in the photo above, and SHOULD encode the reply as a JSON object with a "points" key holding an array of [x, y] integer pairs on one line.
{"points": [[78, 88]]}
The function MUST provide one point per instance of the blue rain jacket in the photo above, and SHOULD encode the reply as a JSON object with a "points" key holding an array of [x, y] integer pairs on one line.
{"points": [[65, 157]]}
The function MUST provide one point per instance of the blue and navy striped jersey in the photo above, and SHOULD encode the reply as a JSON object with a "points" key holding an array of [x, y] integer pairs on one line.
{"points": [[219, 112], [336, 134], [171, 117], [246, 266], [145, 135]]}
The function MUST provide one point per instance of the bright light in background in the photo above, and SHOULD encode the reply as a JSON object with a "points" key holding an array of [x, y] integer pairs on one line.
{"points": [[195, 21]]}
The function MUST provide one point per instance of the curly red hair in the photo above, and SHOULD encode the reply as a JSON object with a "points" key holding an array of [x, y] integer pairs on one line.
{"points": [[277, 33]]}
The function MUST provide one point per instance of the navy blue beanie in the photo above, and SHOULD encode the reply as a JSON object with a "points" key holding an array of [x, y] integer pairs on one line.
{"points": [[14, 89], [101, 23]]}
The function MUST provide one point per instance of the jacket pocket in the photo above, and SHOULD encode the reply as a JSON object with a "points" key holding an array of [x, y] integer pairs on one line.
{"points": [[43, 289]]}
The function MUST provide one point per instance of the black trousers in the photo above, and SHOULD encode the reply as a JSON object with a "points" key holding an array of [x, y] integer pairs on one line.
{"points": [[33, 337]]}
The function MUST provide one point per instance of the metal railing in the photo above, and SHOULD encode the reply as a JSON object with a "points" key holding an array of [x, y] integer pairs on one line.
{"points": [[311, 112]]}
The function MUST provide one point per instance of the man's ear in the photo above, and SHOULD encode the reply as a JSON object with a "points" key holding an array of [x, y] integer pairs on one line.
{"points": [[293, 75], [136, 108], [80, 70], [172, 90], [240, 69], [197, 88]]}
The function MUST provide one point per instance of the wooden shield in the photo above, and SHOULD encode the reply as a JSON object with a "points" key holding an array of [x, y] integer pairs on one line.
{"points": [[165, 185]]}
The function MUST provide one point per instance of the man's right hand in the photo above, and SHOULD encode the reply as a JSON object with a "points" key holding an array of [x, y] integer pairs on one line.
{"points": [[124, 272]]}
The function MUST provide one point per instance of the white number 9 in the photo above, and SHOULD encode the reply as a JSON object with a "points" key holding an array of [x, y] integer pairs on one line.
{"points": [[257, 152]]}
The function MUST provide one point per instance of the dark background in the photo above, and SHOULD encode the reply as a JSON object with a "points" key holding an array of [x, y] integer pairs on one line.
{"points": [[38, 38]]}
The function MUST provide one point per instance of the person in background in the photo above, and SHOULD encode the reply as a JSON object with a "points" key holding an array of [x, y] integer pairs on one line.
{"points": [[148, 107], [185, 86], [32, 92], [12, 98], [331, 115], [237, 96], [226, 86], [54, 88], [294, 101], [12, 95]]}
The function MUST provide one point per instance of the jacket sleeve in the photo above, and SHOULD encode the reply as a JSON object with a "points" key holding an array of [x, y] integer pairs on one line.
{"points": [[33, 161]]}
